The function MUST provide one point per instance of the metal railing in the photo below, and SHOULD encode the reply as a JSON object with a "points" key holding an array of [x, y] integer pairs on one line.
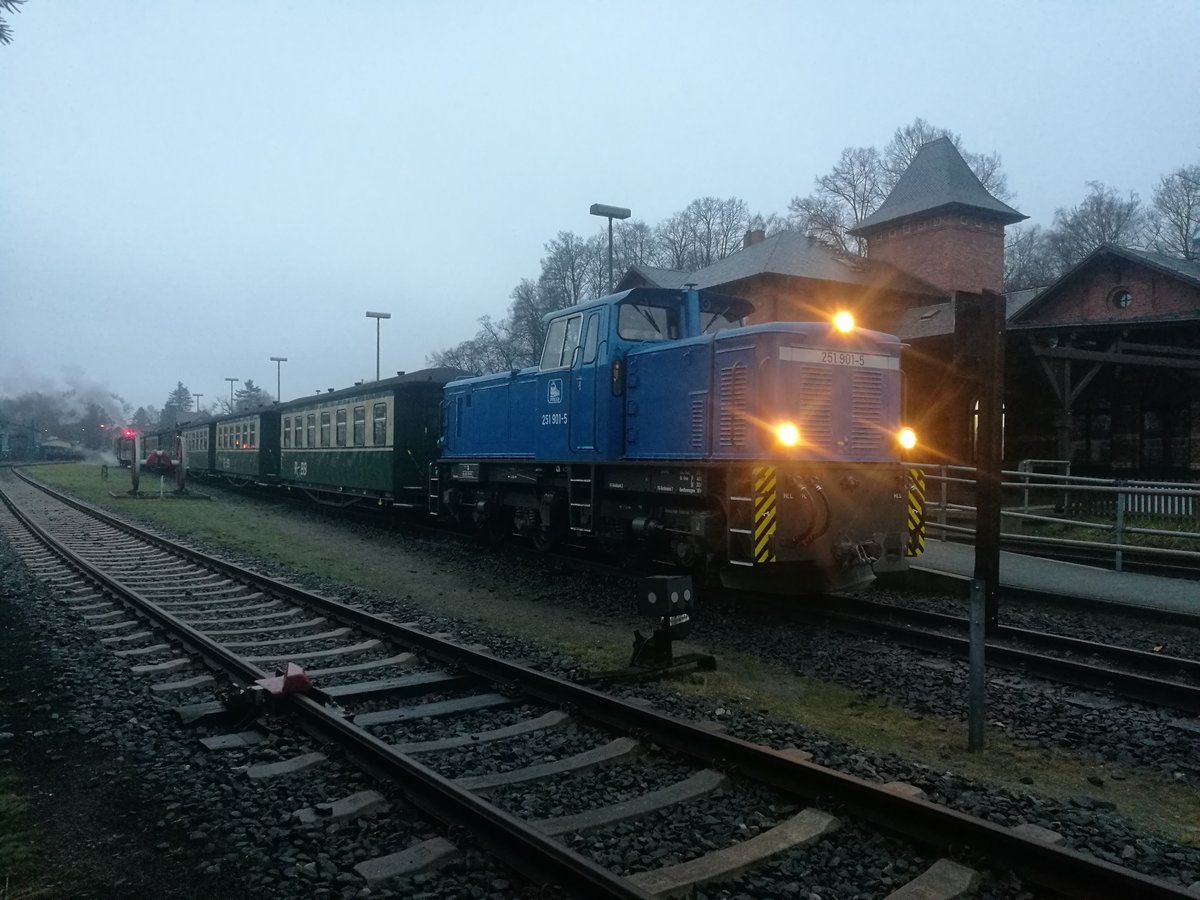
{"points": [[1032, 496]]}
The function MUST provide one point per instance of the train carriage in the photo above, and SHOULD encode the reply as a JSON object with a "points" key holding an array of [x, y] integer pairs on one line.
{"points": [[371, 441], [200, 446], [246, 446]]}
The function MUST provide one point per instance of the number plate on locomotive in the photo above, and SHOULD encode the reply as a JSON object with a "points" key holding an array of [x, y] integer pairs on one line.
{"points": [[829, 357]]}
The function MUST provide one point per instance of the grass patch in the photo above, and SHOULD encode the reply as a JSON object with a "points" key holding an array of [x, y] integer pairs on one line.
{"points": [[16, 847], [1166, 807]]}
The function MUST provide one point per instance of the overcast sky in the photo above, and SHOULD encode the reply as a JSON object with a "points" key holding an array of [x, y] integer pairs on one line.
{"points": [[190, 188]]}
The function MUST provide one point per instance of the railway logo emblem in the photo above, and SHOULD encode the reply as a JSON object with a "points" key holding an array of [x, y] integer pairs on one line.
{"points": [[554, 391]]}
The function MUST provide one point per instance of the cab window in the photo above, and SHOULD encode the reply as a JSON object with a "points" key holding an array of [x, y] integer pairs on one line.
{"points": [[561, 341], [591, 338], [640, 322]]}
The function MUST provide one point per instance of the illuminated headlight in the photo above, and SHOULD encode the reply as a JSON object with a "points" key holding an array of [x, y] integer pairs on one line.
{"points": [[788, 434], [907, 438], [843, 322]]}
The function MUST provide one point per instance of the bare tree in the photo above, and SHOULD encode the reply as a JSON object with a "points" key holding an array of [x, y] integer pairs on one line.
{"points": [[717, 227], [1028, 259], [565, 269], [675, 242], [1174, 217], [824, 217], [1104, 217], [843, 198], [634, 244]]}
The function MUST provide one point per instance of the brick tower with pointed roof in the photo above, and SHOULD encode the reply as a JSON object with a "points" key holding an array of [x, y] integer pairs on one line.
{"points": [[941, 224]]}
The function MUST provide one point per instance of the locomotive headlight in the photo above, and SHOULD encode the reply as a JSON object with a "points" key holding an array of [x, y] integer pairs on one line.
{"points": [[788, 434], [907, 438], [843, 322]]}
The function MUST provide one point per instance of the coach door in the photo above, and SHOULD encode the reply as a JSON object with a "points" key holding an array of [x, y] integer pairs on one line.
{"points": [[583, 386]]}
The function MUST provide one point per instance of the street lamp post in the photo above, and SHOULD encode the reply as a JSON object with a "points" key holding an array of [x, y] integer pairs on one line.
{"points": [[197, 396], [610, 213], [377, 316], [232, 382], [278, 360]]}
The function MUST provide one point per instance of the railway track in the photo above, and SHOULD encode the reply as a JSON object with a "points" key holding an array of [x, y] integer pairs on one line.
{"points": [[381, 688], [1153, 678]]}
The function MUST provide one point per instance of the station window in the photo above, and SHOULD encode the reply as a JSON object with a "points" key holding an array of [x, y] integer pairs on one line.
{"points": [[379, 437], [324, 429], [360, 426], [287, 432], [340, 428], [310, 437]]}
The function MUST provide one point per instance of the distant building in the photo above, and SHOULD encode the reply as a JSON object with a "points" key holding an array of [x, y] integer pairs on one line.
{"points": [[1104, 367]]}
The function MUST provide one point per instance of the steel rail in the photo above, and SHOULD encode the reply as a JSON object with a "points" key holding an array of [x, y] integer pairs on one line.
{"points": [[1066, 871], [526, 849], [1143, 688], [1116, 653]]}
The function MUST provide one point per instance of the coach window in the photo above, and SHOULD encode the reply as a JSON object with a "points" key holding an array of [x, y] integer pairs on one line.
{"points": [[253, 435], [310, 437], [287, 432], [639, 322], [360, 426], [324, 429], [340, 427], [379, 437], [298, 435]]}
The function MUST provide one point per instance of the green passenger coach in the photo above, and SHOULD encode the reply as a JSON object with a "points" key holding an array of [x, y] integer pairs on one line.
{"points": [[246, 446], [374, 440]]}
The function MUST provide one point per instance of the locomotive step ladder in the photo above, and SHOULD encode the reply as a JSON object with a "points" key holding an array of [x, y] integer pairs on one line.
{"points": [[740, 507], [435, 490], [581, 498]]}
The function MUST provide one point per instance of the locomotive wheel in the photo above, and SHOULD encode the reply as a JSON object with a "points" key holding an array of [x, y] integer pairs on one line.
{"points": [[497, 528], [542, 540]]}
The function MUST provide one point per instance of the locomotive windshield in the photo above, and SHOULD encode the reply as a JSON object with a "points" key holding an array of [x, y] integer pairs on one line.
{"points": [[643, 322], [719, 319]]}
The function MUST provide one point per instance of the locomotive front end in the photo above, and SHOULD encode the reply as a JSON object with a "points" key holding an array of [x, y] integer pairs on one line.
{"points": [[825, 504]]}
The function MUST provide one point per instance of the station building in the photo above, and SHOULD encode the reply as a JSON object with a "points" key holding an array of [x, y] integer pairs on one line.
{"points": [[1102, 367]]}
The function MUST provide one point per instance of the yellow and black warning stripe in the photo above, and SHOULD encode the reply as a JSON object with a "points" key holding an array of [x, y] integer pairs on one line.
{"points": [[916, 513], [764, 513]]}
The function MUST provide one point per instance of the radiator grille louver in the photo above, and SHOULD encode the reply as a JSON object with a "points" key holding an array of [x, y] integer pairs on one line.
{"points": [[699, 425], [816, 406], [732, 431], [866, 409]]}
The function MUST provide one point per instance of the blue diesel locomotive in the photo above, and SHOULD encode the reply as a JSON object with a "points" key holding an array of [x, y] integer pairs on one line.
{"points": [[658, 424]]}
